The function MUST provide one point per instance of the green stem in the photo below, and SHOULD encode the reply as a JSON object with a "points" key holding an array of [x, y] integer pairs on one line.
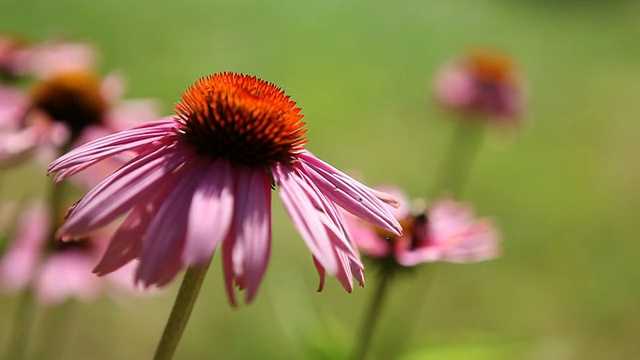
{"points": [[417, 302], [55, 328], [187, 295], [459, 158], [22, 324], [372, 315]]}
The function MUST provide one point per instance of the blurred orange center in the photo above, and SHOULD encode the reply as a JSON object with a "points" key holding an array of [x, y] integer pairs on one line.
{"points": [[491, 66], [247, 120], [74, 98]]}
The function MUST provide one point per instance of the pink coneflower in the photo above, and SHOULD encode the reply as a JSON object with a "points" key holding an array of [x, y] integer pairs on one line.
{"points": [[51, 58], [446, 231], [15, 57], [55, 270], [203, 179], [484, 83], [63, 111]]}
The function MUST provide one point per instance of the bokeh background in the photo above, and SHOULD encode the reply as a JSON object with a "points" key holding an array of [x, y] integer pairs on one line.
{"points": [[564, 188]]}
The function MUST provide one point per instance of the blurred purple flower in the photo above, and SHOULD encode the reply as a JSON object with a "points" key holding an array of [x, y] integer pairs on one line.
{"points": [[15, 57], [203, 180], [48, 59], [447, 231], [55, 270], [63, 111], [484, 83]]}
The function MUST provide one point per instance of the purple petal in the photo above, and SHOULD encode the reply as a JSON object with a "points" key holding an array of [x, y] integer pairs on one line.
{"points": [[306, 217], [252, 220], [97, 150], [321, 273], [348, 193], [228, 244], [163, 243], [126, 243], [210, 213], [122, 190]]}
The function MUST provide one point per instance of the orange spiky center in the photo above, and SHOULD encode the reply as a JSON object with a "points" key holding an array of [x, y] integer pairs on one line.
{"points": [[249, 121], [73, 98], [491, 67]]}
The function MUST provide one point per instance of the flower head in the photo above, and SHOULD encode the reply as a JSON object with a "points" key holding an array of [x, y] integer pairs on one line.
{"points": [[484, 83], [55, 270], [447, 231], [202, 180], [62, 111], [14, 57]]}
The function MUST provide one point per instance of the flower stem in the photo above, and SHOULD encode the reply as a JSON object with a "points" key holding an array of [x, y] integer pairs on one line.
{"points": [[373, 315], [186, 298], [22, 324], [55, 328], [459, 159]]}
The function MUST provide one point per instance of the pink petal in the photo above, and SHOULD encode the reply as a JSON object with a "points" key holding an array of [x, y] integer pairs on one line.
{"points": [[349, 194], [17, 146], [228, 245], [252, 220], [13, 105], [321, 273], [94, 151], [121, 191], [126, 243], [478, 243], [163, 243], [210, 213], [306, 217], [366, 238], [18, 264], [66, 275]]}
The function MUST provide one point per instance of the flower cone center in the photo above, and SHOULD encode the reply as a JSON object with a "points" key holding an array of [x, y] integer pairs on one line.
{"points": [[73, 98], [249, 121], [491, 67]]}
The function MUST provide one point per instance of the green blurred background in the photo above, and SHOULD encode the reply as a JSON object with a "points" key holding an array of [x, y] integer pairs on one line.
{"points": [[564, 190]]}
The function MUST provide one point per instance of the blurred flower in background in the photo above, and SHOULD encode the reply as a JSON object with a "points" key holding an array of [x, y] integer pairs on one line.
{"points": [[445, 231], [68, 104], [54, 270], [483, 83], [15, 58]]}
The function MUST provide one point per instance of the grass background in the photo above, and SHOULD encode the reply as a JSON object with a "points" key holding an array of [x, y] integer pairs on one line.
{"points": [[564, 190]]}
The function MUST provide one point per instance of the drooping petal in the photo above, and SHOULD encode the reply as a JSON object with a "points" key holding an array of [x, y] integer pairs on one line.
{"points": [[306, 218], [97, 150], [321, 273], [228, 244], [253, 226], [163, 242], [210, 213], [348, 193], [121, 191], [335, 224], [126, 243]]}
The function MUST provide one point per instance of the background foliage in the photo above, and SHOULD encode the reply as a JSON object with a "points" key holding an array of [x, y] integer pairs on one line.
{"points": [[564, 190]]}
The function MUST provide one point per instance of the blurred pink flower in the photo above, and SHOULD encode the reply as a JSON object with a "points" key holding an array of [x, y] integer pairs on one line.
{"points": [[447, 231], [51, 58], [63, 111], [203, 180], [55, 270], [14, 57], [483, 83]]}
